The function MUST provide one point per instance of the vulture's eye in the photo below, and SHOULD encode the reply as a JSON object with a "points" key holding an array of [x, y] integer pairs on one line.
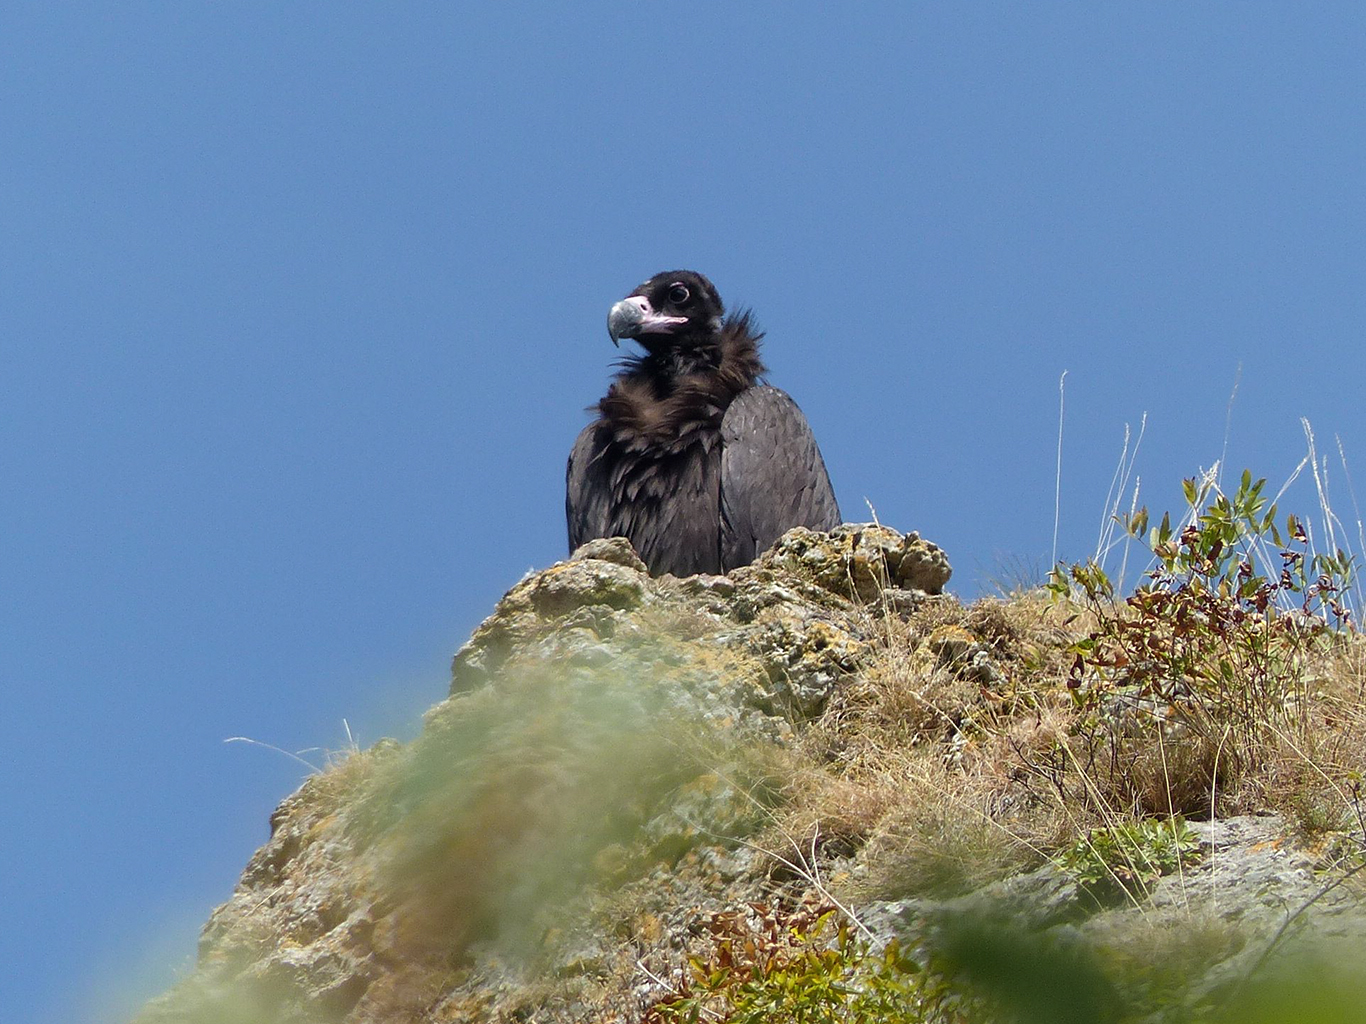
{"points": [[678, 294]]}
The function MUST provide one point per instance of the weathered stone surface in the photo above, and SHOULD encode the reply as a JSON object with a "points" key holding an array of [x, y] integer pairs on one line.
{"points": [[589, 786], [861, 561], [598, 728], [1252, 878], [610, 549], [584, 593]]}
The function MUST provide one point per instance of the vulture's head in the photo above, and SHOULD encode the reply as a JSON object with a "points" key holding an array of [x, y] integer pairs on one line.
{"points": [[671, 310]]}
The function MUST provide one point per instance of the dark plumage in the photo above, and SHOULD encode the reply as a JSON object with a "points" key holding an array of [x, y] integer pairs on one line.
{"points": [[690, 458]]}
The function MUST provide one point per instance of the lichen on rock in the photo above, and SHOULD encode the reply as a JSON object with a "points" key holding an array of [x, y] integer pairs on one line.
{"points": [[861, 561]]}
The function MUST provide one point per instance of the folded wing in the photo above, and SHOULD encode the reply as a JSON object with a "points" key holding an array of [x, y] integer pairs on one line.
{"points": [[588, 494], [772, 475]]}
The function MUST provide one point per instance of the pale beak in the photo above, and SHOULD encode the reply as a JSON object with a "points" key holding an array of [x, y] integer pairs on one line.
{"points": [[634, 316]]}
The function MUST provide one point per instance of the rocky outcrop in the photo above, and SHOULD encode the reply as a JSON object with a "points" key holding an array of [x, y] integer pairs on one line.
{"points": [[589, 783], [596, 783]]}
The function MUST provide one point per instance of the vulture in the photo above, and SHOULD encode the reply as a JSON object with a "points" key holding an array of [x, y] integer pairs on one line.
{"points": [[691, 457]]}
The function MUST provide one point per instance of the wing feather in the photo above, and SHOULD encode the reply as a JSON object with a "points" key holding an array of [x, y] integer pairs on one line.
{"points": [[664, 501], [772, 475], [588, 495]]}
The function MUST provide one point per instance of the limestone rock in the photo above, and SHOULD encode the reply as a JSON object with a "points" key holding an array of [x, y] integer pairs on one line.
{"points": [[861, 560], [592, 785], [603, 729]]}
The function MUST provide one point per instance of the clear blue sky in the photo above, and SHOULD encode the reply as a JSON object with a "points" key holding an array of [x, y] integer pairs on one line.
{"points": [[301, 305]]}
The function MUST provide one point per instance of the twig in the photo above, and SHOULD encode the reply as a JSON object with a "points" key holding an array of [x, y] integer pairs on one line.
{"points": [[1057, 482], [271, 746], [669, 988], [1228, 417]]}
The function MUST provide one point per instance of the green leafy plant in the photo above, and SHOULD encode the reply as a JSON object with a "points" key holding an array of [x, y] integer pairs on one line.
{"points": [[1215, 642], [764, 966], [1224, 546], [1131, 854]]}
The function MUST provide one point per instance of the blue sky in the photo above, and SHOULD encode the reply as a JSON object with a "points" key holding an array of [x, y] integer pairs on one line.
{"points": [[301, 305]]}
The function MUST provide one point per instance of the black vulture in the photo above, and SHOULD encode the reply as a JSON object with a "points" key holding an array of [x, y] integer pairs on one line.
{"points": [[693, 460]]}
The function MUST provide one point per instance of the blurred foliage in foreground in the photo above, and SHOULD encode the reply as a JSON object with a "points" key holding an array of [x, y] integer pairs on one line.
{"points": [[810, 967]]}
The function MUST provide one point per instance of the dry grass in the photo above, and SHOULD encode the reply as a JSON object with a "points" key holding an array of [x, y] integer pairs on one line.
{"points": [[957, 754], [960, 755], [911, 771]]}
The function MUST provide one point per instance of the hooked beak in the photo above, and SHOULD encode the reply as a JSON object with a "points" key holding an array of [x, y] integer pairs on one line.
{"points": [[634, 316]]}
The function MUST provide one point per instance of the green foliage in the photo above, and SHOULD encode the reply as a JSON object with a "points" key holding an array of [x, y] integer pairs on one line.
{"points": [[763, 968], [1131, 854], [1224, 549], [1304, 990], [1216, 640], [1003, 973], [520, 798]]}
